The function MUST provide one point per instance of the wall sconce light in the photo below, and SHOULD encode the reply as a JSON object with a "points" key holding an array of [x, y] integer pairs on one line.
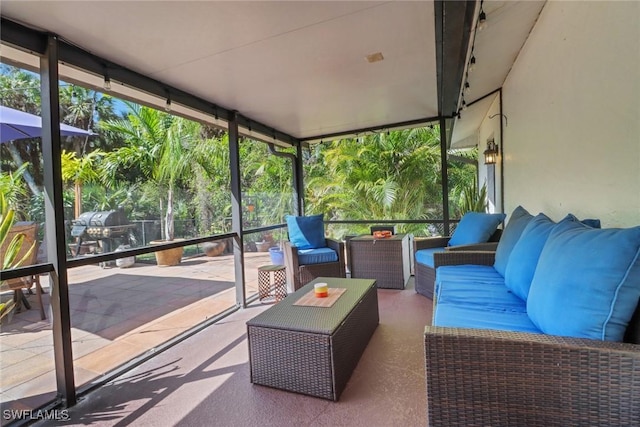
{"points": [[491, 153]]}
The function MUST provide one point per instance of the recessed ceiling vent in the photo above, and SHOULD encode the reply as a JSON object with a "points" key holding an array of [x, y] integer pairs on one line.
{"points": [[374, 57]]}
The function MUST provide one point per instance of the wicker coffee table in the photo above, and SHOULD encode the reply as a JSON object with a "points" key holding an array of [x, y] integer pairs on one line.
{"points": [[385, 260], [313, 350]]}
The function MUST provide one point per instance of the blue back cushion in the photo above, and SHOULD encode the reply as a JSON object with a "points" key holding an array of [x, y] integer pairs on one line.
{"points": [[475, 227], [525, 254], [587, 283], [306, 232], [517, 222]]}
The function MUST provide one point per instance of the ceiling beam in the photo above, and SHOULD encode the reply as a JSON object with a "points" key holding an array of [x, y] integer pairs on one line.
{"points": [[453, 23]]}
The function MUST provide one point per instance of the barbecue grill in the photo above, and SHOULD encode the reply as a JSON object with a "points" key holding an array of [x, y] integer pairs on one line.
{"points": [[110, 228]]}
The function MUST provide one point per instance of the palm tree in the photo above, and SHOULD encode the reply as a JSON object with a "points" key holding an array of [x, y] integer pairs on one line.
{"points": [[383, 176], [158, 145], [80, 170]]}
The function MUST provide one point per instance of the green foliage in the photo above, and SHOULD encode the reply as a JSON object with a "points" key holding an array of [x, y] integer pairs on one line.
{"points": [[393, 175], [472, 199], [13, 188], [161, 147], [7, 219]]}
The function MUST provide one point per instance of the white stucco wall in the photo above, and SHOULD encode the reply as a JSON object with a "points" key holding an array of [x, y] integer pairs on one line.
{"points": [[572, 99], [490, 128]]}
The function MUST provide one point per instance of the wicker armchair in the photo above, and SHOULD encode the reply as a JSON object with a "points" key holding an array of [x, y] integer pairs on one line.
{"points": [[488, 377], [425, 276], [301, 274], [30, 230]]}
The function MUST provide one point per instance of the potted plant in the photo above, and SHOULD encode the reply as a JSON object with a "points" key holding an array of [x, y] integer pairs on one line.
{"points": [[214, 248], [10, 249]]}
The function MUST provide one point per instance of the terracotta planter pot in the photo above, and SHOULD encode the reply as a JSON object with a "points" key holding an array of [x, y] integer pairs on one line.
{"points": [[263, 246], [214, 248], [168, 257]]}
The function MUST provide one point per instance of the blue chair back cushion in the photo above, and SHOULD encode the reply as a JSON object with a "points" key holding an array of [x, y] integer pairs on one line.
{"points": [[517, 222], [475, 227], [306, 232], [587, 283], [316, 256]]}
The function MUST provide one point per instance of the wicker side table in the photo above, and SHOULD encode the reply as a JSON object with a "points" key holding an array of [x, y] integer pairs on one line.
{"points": [[385, 260], [266, 285]]}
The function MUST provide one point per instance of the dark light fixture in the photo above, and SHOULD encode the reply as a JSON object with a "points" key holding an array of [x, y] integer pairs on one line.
{"points": [[482, 18], [491, 153], [107, 82]]}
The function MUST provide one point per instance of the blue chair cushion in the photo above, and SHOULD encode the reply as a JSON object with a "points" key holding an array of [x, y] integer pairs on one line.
{"points": [[524, 256], [475, 227], [306, 232], [425, 256], [479, 317], [493, 296], [316, 256], [517, 222], [587, 283], [474, 272]]}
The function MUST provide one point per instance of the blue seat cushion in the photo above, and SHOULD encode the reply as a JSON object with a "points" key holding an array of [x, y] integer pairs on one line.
{"points": [[517, 222], [587, 283], [475, 227], [316, 256], [306, 232], [425, 256], [478, 317], [475, 273], [493, 296]]}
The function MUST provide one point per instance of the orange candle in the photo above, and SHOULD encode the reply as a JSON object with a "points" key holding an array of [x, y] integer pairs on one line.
{"points": [[321, 290]]}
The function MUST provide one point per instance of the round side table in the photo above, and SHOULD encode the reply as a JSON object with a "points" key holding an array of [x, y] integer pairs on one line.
{"points": [[268, 283]]}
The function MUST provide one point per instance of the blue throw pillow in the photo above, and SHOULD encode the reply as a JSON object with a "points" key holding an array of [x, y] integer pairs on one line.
{"points": [[590, 222], [587, 283], [306, 232], [517, 222], [475, 227], [525, 254]]}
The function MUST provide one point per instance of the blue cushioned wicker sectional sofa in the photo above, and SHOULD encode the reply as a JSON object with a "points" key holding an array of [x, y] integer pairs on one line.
{"points": [[544, 331]]}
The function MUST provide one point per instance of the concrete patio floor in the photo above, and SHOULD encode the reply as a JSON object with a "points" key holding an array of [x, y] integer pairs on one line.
{"points": [[116, 315]]}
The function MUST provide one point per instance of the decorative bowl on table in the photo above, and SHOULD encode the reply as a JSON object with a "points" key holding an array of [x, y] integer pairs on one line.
{"points": [[383, 234]]}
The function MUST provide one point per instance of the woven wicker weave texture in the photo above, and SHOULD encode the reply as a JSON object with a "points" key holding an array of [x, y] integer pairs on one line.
{"points": [[482, 377], [313, 350], [385, 260]]}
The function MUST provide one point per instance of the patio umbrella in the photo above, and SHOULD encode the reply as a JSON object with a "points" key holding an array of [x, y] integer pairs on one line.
{"points": [[16, 124]]}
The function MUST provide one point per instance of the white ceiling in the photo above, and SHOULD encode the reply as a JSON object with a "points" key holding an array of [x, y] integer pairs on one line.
{"points": [[299, 66]]}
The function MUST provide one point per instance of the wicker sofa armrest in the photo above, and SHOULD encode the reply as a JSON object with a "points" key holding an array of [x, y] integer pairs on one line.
{"points": [[489, 246], [485, 377], [429, 242], [463, 257]]}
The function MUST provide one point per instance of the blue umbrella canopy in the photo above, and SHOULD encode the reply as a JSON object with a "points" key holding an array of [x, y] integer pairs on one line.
{"points": [[16, 124]]}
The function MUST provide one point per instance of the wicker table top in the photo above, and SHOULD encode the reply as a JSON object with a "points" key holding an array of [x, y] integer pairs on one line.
{"points": [[370, 238], [324, 320]]}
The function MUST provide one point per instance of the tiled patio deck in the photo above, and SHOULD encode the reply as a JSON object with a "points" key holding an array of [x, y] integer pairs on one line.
{"points": [[116, 314]]}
